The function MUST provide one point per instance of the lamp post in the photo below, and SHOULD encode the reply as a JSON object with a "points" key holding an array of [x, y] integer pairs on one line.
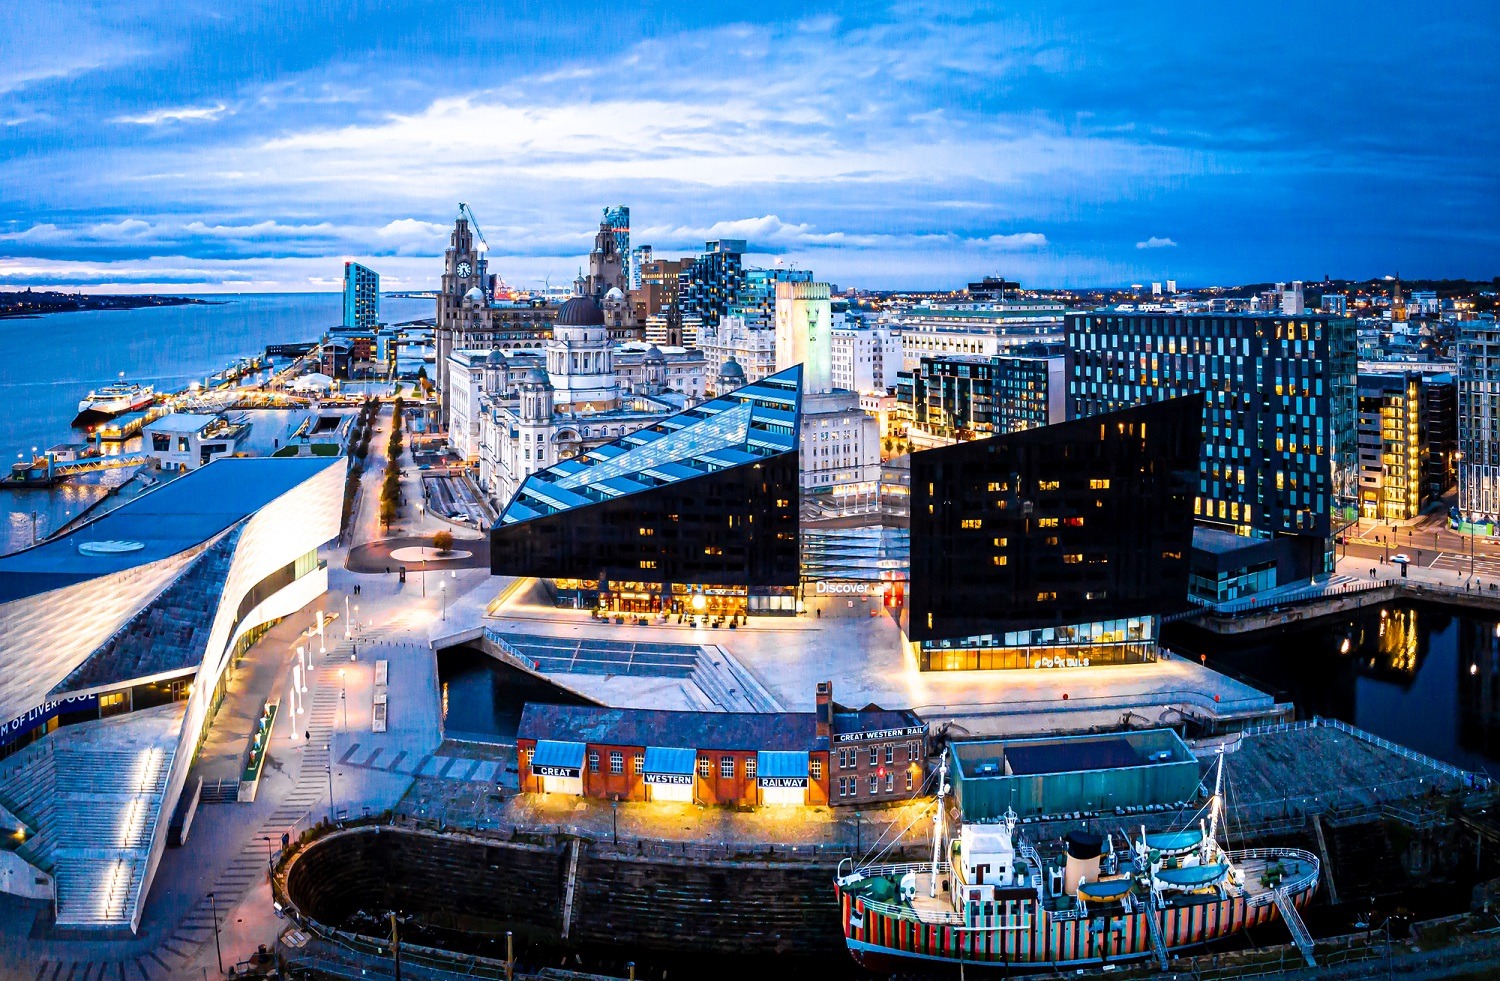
{"points": [[344, 698], [331, 813], [443, 588], [270, 868], [217, 949], [348, 625]]}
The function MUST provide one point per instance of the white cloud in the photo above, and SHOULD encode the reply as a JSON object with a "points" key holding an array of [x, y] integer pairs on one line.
{"points": [[183, 113], [1156, 243]]}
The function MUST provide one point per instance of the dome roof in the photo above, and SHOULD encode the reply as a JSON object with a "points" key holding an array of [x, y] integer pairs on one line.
{"points": [[497, 356], [580, 311], [653, 353], [731, 369], [615, 295], [535, 376], [475, 295]]}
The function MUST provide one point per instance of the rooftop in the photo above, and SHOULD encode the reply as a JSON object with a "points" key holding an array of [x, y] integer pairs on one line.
{"points": [[747, 425], [168, 519], [786, 731]]}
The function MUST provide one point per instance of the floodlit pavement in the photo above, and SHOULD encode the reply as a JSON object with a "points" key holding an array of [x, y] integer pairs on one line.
{"points": [[863, 657]]}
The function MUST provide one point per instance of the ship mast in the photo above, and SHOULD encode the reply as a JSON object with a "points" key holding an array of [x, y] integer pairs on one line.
{"points": [[937, 823], [1216, 803]]}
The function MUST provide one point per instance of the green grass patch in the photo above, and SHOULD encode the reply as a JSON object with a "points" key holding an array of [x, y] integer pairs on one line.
{"points": [[287, 451], [325, 449]]}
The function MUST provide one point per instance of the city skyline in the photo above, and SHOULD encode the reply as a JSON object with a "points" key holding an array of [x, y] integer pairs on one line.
{"points": [[1074, 145]]}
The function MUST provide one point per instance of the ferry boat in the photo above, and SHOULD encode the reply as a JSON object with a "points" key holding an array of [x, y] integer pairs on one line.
{"points": [[989, 897], [112, 400]]}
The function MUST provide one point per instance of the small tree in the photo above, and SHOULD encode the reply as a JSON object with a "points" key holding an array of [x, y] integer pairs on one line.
{"points": [[387, 511], [443, 541]]}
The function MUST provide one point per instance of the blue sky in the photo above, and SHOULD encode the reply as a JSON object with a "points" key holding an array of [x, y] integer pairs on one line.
{"points": [[254, 145]]}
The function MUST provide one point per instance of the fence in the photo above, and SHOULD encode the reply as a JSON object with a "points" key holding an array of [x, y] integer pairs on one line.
{"points": [[1270, 600]]}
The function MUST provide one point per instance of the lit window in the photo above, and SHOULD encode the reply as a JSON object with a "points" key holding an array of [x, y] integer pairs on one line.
{"points": [[726, 766], [640, 762], [1000, 559], [815, 769], [1099, 484], [1046, 522], [971, 523], [750, 764], [1046, 597], [1048, 485], [1073, 558], [705, 768]]}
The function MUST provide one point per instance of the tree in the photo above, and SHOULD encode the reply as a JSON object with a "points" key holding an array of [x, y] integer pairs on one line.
{"points": [[443, 541], [387, 512]]}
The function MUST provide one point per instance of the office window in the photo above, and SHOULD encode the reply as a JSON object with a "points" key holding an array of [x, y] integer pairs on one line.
{"points": [[726, 766], [616, 762]]}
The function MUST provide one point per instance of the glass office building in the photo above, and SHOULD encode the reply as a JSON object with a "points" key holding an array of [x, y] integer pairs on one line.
{"points": [[696, 514], [361, 296], [1053, 547], [958, 397], [1279, 448]]}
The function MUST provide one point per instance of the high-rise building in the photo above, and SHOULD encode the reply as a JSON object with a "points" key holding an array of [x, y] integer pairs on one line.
{"points": [[865, 359], [1053, 547], [1479, 422], [976, 328], [1279, 436], [756, 301], [711, 282], [963, 397], [617, 219], [1292, 299], [361, 296], [640, 257], [804, 333], [1393, 445]]}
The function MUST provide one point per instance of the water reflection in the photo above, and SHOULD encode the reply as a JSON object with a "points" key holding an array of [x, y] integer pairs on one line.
{"points": [[1425, 676]]}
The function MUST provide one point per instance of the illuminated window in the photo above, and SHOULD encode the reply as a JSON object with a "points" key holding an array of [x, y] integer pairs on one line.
{"points": [[648, 563], [1099, 484], [1046, 522], [1073, 558], [640, 762], [750, 765], [1050, 540], [705, 768], [971, 523], [815, 769], [1046, 597], [1048, 485], [726, 766], [999, 559], [648, 531], [1002, 542]]}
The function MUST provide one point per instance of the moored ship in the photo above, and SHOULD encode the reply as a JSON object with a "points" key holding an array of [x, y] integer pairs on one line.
{"points": [[112, 400], [989, 897]]}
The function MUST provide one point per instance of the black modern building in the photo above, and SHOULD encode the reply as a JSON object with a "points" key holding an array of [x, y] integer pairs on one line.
{"points": [[696, 514], [1279, 455], [1056, 546], [709, 284]]}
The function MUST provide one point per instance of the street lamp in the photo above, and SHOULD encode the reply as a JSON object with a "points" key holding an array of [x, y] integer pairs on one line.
{"points": [[270, 869], [443, 588], [344, 698]]}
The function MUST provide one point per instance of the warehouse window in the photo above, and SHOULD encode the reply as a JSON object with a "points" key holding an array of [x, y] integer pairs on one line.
{"points": [[705, 768], [616, 762], [726, 766]]}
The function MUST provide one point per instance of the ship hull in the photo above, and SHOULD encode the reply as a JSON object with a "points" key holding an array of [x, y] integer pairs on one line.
{"points": [[880, 941], [90, 414]]}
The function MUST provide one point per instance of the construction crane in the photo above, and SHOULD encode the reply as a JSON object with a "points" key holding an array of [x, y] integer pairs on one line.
{"points": [[464, 211]]}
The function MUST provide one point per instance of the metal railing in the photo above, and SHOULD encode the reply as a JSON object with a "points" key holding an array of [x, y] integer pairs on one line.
{"points": [[1269, 601], [1466, 777]]}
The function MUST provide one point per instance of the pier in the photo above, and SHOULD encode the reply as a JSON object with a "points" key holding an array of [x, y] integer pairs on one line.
{"points": [[39, 475]]}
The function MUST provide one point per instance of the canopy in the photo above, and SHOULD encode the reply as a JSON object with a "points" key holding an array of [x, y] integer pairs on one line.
{"points": [[557, 759], [781, 769], [669, 765]]}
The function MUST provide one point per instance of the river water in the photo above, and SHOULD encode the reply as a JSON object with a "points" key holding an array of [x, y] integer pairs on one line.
{"points": [[53, 361], [1424, 676]]}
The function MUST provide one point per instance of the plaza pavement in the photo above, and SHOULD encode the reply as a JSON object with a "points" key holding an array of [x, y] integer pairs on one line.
{"points": [[331, 752]]}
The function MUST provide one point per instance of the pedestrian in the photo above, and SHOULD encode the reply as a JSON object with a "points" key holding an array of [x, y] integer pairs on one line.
{"points": [[307, 735]]}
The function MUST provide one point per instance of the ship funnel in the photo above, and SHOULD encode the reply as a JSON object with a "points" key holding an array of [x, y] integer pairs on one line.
{"points": [[1084, 850]]}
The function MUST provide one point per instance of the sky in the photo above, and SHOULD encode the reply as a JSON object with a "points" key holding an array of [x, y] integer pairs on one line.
{"points": [[253, 146]]}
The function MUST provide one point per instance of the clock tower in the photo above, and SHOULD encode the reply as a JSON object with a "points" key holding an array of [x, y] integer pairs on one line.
{"points": [[460, 311]]}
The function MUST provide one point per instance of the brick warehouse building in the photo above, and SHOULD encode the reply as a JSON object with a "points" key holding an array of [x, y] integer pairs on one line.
{"points": [[726, 758]]}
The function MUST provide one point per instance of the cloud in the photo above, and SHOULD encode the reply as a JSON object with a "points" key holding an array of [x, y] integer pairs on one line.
{"points": [[184, 113], [1156, 243]]}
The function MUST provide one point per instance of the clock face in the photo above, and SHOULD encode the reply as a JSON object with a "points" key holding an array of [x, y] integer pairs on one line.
{"points": [[464, 269]]}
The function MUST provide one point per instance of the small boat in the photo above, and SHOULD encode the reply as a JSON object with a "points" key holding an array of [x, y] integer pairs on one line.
{"points": [[989, 897], [112, 400]]}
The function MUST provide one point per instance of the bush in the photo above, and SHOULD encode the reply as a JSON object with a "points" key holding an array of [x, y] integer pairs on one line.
{"points": [[443, 541]]}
